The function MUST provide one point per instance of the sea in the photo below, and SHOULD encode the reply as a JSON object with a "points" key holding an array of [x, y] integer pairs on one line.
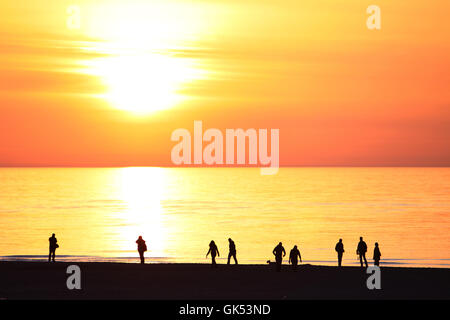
{"points": [[97, 214]]}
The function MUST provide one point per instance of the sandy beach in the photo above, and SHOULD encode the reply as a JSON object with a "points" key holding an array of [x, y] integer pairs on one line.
{"points": [[40, 280]]}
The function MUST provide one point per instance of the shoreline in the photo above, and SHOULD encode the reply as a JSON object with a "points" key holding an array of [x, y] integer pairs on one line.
{"points": [[386, 263], [198, 281], [393, 263]]}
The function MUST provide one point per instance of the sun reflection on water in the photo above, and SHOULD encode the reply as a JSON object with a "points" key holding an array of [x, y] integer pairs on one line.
{"points": [[141, 190]]}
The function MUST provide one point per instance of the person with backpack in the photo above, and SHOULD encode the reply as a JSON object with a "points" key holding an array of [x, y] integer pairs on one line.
{"points": [[141, 247], [53, 245]]}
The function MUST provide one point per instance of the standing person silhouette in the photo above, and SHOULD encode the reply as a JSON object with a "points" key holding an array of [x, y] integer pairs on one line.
{"points": [[376, 255], [232, 252], [53, 245], [279, 253], [214, 251], [361, 251], [340, 251], [293, 255], [141, 247]]}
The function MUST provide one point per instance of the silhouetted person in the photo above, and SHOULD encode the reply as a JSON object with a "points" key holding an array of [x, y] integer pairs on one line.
{"points": [[294, 255], [361, 251], [232, 252], [340, 251], [53, 245], [376, 255], [214, 252], [279, 253], [141, 247]]}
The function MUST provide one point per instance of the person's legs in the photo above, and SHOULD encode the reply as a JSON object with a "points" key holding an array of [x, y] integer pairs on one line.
{"points": [[339, 259], [49, 255], [141, 255], [53, 255], [294, 265], [213, 262], [235, 259], [229, 257], [365, 260], [278, 262], [377, 262], [361, 260]]}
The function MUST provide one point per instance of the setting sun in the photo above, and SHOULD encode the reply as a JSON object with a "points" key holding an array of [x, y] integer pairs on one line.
{"points": [[138, 67], [140, 138], [144, 82]]}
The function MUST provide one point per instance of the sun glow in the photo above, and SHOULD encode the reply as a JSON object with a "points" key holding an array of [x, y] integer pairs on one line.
{"points": [[141, 67], [143, 83]]}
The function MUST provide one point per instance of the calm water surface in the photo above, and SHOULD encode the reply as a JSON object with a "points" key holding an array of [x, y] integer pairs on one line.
{"points": [[98, 213]]}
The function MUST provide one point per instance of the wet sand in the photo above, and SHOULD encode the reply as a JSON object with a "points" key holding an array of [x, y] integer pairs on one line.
{"points": [[41, 280]]}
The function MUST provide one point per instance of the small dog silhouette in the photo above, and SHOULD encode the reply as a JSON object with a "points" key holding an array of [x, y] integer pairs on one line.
{"points": [[270, 264]]}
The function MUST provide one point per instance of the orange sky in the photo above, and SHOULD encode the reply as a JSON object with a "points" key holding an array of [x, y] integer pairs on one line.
{"points": [[339, 93]]}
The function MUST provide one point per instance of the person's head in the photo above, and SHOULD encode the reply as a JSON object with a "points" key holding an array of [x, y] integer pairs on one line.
{"points": [[280, 244], [53, 235], [376, 244], [212, 243], [295, 247], [140, 238], [229, 240], [360, 238], [340, 240]]}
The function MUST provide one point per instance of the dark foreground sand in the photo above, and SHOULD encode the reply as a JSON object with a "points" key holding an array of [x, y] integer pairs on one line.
{"points": [[38, 280]]}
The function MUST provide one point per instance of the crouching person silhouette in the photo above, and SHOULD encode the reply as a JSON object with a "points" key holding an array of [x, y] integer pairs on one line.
{"points": [[294, 255]]}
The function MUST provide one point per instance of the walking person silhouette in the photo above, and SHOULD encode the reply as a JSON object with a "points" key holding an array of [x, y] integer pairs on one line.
{"points": [[376, 255], [361, 251], [232, 252], [279, 253], [141, 247], [214, 251], [293, 255], [340, 251], [53, 245]]}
